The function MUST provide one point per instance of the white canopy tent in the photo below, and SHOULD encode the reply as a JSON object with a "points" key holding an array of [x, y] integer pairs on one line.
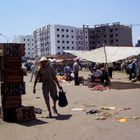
{"points": [[113, 53]]}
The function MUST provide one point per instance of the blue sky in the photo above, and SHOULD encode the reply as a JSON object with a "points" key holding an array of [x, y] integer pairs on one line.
{"points": [[21, 17]]}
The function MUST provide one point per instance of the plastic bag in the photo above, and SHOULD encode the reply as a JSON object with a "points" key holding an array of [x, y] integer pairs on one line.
{"points": [[62, 100]]}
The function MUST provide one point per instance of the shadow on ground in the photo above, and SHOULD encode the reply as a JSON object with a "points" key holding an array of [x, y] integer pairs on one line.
{"points": [[63, 117], [123, 85], [32, 123]]}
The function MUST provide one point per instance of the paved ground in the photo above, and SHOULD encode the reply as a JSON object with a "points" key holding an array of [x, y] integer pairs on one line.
{"points": [[75, 125]]}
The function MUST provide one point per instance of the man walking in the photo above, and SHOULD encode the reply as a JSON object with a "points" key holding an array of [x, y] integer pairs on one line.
{"points": [[76, 68], [49, 80]]}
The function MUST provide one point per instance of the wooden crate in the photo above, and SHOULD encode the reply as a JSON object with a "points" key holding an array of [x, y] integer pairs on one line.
{"points": [[8, 114], [14, 49], [13, 89], [12, 61], [13, 71], [11, 102], [25, 113], [12, 78]]}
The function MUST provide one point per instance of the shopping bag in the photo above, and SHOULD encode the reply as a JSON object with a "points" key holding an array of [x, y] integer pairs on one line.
{"points": [[62, 99]]}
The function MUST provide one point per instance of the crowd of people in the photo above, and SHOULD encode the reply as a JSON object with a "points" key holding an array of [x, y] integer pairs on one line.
{"points": [[46, 71]]}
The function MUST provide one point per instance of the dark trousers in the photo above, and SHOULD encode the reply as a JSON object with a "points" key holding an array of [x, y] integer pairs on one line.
{"points": [[76, 79], [132, 74], [110, 69]]}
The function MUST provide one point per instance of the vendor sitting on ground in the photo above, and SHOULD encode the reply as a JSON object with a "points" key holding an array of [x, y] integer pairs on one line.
{"points": [[99, 76], [96, 74], [67, 72]]}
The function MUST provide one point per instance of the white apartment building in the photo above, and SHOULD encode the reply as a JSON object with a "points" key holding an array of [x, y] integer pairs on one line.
{"points": [[53, 39], [29, 44]]}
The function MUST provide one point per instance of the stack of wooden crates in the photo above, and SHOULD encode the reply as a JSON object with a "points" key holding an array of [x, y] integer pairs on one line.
{"points": [[13, 85]]}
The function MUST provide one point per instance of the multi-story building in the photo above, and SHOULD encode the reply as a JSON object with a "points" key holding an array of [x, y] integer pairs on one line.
{"points": [[53, 39], [111, 35], [42, 40], [138, 43], [29, 44]]}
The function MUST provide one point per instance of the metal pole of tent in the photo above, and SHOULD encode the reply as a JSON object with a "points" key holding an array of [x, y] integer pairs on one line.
{"points": [[106, 64]]}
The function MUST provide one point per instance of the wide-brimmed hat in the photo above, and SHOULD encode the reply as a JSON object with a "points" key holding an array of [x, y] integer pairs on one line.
{"points": [[43, 59]]}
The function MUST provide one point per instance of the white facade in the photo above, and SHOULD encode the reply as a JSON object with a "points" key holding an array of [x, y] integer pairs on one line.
{"points": [[53, 39], [29, 44], [42, 40], [62, 38]]}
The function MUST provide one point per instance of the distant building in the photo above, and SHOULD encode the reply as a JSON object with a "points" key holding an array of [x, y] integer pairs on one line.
{"points": [[138, 43], [111, 35], [53, 39], [29, 44]]}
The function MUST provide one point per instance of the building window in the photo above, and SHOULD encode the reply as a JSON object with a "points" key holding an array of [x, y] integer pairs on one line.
{"points": [[62, 30], [72, 42], [24, 39], [111, 30], [62, 35], [72, 31], [67, 36], [58, 53], [63, 47], [57, 29], [67, 42], [28, 44], [72, 47], [111, 36], [111, 41], [72, 36], [116, 34], [63, 41], [116, 40], [68, 47], [67, 30], [58, 35], [58, 41], [58, 47], [116, 29]]}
